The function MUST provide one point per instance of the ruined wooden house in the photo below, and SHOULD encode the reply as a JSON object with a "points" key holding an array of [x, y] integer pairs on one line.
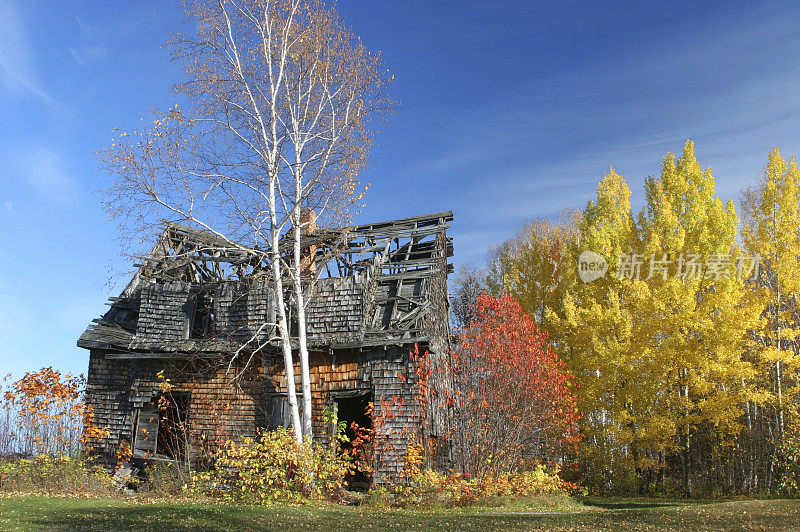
{"points": [[194, 326]]}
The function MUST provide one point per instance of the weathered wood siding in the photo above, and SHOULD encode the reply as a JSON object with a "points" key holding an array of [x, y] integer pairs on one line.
{"points": [[440, 382], [217, 410], [243, 310], [335, 310], [164, 311], [386, 374]]}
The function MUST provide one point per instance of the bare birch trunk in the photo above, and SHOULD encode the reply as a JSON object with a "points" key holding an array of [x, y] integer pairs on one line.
{"points": [[288, 361], [305, 374]]}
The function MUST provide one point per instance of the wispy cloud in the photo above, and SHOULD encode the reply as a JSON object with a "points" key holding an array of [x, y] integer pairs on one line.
{"points": [[473, 246], [89, 49], [43, 170], [87, 30], [86, 54], [17, 59]]}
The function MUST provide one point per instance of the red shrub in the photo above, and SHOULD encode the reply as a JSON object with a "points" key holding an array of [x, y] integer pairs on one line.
{"points": [[513, 397]]}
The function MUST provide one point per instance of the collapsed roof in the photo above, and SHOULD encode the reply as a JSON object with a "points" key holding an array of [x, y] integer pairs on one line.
{"points": [[373, 284]]}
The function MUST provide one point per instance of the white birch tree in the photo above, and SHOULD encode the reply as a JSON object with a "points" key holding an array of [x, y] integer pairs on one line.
{"points": [[282, 100]]}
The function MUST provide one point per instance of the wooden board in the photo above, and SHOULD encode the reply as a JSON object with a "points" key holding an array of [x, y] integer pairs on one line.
{"points": [[146, 431]]}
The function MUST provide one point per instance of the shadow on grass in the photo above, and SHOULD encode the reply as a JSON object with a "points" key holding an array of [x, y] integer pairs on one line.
{"points": [[630, 504]]}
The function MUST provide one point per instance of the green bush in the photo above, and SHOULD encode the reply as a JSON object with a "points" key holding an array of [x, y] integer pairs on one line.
{"points": [[275, 467], [48, 474]]}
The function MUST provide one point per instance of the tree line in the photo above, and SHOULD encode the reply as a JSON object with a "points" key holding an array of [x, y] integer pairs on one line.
{"points": [[683, 342]]}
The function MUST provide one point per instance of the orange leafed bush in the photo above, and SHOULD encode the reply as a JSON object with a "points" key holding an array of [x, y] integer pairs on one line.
{"points": [[45, 414]]}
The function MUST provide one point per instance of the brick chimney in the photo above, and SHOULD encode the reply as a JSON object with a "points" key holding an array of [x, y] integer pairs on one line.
{"points": [[308, 221], [308, 224]]}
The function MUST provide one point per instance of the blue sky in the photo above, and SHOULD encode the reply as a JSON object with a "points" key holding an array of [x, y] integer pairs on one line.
{"points": [[512, 110]]}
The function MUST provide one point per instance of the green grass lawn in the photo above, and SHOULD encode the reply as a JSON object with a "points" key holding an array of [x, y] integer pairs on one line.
{"points": [[52, 513]]}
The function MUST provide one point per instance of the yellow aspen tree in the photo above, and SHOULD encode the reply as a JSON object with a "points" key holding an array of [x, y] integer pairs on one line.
{"points": [[700, 314], [771, 228], [596, 329]]}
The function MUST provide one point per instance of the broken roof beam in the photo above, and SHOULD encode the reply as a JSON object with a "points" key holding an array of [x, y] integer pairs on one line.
{"points": [[205, 238], [424, 219], [413, 226]]}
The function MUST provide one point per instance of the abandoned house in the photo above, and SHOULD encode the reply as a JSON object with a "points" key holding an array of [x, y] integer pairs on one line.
{"points": [[194, 326]]}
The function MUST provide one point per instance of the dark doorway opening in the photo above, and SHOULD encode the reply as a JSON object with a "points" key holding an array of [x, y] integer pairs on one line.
{"points": [[356, 413], [172, 428]]}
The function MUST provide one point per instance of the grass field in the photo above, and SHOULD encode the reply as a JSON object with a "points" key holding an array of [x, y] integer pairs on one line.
{"points": [[50, 513]]}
